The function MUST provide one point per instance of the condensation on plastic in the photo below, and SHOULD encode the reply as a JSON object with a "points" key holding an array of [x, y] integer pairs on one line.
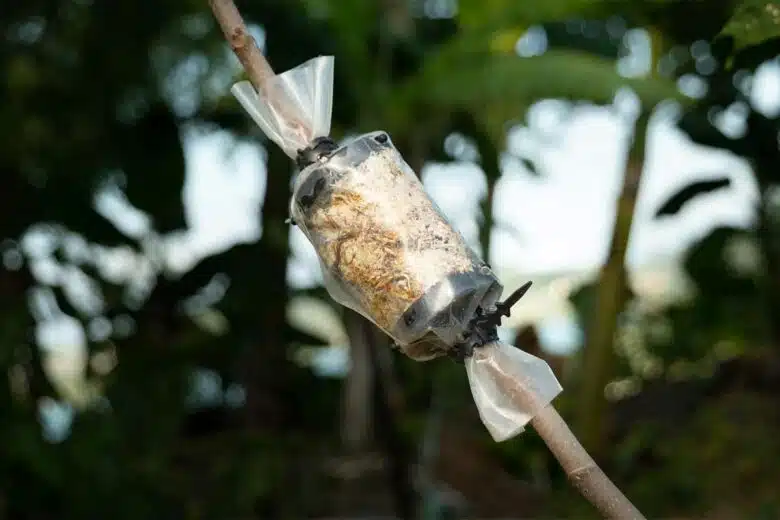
{"points": [[385, 248], [297, 107], [509, 387]]}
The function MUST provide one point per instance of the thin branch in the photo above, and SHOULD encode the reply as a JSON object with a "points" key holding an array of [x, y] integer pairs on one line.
{"points": [[256, 66], [580, 468], [242, 43]]}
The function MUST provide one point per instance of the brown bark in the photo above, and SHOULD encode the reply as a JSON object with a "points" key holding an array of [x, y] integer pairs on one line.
{"points": [[242, 43], [580, 468], [610, 298]]}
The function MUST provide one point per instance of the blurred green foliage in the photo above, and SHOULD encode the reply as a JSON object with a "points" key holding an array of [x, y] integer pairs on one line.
{"points": [[100, 93]]}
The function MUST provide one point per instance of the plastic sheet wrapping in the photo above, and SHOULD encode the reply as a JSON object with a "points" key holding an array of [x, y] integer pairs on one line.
{"points": [[386, 250], [298, 105], [509, 386]]}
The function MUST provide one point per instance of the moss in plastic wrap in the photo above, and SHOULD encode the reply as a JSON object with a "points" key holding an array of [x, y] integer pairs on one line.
{"points": [[386, 249]]}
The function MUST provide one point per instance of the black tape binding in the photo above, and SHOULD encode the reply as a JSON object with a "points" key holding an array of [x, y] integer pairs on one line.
{"points": [[483, 327], [319, 148]]}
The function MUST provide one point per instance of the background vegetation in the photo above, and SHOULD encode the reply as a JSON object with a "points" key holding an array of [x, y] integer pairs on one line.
{"points": [[185, 400]]}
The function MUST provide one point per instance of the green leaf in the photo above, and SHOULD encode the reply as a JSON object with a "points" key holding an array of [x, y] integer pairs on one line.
{"points": [[556, 74], [490, 13], [677, 201], [753, 22], [530, 166], [499, 88]]}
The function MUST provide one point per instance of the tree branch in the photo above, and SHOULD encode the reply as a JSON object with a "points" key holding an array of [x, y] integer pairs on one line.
{"points": [[580, 468], [256, 66], [242, 43]]}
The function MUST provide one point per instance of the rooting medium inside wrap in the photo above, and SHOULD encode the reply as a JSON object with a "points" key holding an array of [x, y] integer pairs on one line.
{"points": [[386, 249], [509, 387], [293, 108]]}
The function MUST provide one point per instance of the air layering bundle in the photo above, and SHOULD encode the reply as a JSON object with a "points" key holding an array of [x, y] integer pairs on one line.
{"points": [[387, 251]]}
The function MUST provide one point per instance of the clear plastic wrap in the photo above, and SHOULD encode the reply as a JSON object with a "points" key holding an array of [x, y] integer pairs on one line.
{"points": [[490, 368], [298, 106], [387, 251]]}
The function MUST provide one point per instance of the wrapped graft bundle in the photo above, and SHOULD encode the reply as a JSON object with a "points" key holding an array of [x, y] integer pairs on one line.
{"points": [[386, 250]]}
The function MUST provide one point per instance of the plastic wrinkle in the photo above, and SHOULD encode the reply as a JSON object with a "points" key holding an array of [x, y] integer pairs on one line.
{"points": [[296, 105], [506, 415]]}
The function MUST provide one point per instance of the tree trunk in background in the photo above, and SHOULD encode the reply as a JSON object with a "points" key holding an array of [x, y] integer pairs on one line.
{"points": [[357, 412], [770, 252], [384, 397], [764, 163], [366, 483], [488, 154], [599, 354], [264, 362], [486, 228], [389, 413]]}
